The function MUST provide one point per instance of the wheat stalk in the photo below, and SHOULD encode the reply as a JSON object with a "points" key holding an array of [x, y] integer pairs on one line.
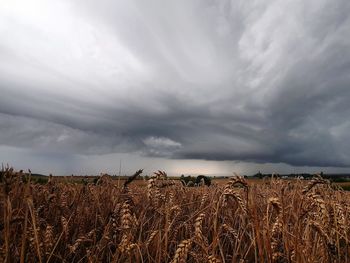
{"points": [[182, 251]]}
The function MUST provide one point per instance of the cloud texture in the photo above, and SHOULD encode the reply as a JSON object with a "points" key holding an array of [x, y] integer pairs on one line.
{"points": [[255, 81]]}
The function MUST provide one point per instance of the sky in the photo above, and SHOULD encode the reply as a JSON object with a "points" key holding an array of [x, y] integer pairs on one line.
{"points": [[187, 86]]}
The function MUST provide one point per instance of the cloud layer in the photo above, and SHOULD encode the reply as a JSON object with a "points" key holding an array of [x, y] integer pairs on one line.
{"points": [[257, 81]]}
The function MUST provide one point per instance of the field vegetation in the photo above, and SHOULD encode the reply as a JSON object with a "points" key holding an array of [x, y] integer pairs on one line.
{"points": [[161, 220]]}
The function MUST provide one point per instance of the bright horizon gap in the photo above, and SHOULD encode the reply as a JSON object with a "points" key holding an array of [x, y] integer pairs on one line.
{"points": [[80, 165]]}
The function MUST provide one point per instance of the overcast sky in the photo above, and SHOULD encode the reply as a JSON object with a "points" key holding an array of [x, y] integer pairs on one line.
{"points": [[183, 86]]}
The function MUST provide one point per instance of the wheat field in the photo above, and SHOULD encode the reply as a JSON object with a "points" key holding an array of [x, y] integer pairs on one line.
{"points": [[164, 221]]}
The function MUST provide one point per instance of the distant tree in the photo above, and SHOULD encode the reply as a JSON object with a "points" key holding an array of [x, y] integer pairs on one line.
{"points": [[192, 181], [200, 178], [190, 184], [259, 175], [186, 179]]}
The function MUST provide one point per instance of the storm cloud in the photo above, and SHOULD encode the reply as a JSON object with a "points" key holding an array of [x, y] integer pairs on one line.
{"points": [[251, 81]]}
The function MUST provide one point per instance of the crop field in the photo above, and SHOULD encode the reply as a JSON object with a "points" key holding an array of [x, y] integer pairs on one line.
{"points": [[160, 220]]}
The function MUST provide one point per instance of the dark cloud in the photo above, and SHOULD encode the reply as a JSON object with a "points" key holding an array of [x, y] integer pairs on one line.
{"points": [[255, 81]]}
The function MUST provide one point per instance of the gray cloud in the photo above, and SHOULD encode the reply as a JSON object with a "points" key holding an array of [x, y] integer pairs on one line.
{"points": [[251, 81]]}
